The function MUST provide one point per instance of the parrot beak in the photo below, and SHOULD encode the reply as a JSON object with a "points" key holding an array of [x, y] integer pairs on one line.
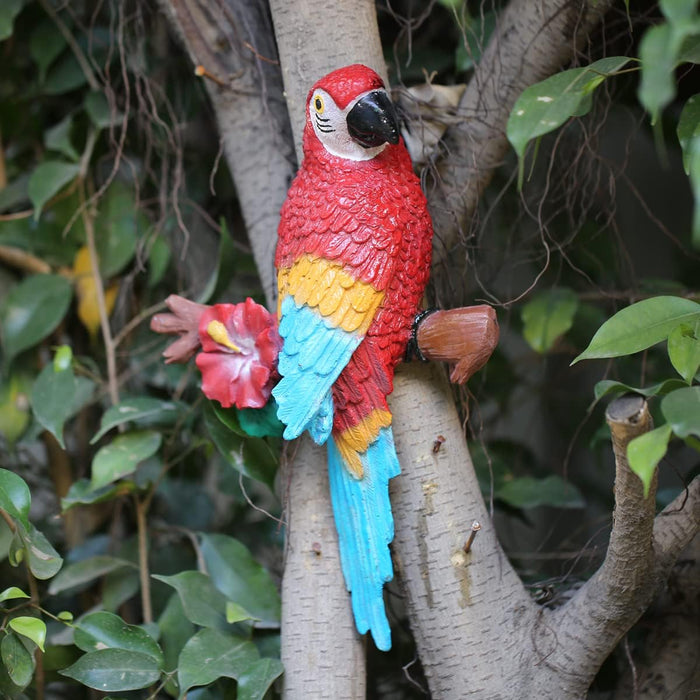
{"points": [[373, 121]]}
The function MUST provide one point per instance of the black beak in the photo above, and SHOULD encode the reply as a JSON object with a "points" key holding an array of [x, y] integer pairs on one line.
{"points": [[373, 121]]}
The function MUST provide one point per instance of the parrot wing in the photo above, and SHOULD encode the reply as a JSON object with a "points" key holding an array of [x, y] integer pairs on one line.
{"points": [[324, 315]]}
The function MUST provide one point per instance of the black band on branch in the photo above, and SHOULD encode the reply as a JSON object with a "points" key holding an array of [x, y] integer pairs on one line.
{"points": [[412, 349]]}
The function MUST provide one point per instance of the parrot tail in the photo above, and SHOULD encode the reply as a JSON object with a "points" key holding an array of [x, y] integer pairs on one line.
{"points": [[365, 527]]}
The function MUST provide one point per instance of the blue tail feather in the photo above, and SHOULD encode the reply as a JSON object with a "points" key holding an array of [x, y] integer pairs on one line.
{"points": [[365, 527]]}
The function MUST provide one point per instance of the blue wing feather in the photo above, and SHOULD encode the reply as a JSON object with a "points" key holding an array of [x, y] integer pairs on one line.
{"points": [[365, 527], [312, 357]]}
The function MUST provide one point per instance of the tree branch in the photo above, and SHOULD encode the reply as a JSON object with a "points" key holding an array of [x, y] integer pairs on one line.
{"points": [[532, 40], [231, 40], [322, 653], [575, 639], [674, 528], [473, 604]]}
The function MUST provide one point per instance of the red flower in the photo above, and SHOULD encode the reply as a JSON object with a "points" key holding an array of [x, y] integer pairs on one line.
{"points": [[240, 344]]}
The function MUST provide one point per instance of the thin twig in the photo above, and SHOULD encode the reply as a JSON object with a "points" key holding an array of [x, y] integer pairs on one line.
{"points": [[22, 260], [73, 44], [8, 519], [88, 222], [144, 573], [136, 321]]}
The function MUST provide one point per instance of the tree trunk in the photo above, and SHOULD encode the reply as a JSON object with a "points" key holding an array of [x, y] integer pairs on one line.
{"points": [[469, 611], [477, 630]]}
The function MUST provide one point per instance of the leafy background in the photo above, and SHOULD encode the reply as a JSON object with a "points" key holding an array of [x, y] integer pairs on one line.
{"points": [[142, 536]]}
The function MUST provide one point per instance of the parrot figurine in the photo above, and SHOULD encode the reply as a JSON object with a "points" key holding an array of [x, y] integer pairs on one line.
{"points": [[353, 259]]}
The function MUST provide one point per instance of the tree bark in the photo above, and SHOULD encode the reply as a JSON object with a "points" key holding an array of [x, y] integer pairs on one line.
{"points": [[532, 41], [574, 640], [476, 629], [234, 42], [322, 653], [668, 667], [469, 612], [313, 40]]}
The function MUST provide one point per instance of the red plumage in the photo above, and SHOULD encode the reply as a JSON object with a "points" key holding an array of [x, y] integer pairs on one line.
{"points": [[372, 217]]}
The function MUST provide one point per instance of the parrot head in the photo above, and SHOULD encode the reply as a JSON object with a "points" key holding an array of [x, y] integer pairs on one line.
{"points": [[351, 114]]}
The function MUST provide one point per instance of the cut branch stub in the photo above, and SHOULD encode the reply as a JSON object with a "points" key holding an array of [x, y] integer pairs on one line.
{"points": [[628, 417]]}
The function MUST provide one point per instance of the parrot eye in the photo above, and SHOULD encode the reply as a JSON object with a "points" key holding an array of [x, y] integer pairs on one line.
{"points": [[318, 104]]}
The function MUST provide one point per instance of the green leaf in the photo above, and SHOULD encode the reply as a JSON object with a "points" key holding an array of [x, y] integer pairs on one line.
{"points": [[225, 262], [15, 498], [43, 560], [609, 387], [175, 630], [256, 680], [118, 587], [646, 451], [56, 396], [85, 571], [123, 455], [64, 76], [31, 627], [203, 604], [240, 578], [99, 111], [158, 259], [15, 410], [9, 9], [662, 48], [17, 660], [252, 457], [118, 224], [528, 492], [81, 492], [689, 137], [12, 593], [235, 613], [689, 51], [155, 411], [228, 416], [104, 630], [45, 45], [681, 409], [261, 422], [688, 130], [684, 350], [678, 11], [63, 358], [58, 138], [209, 655], [48, 179], [32, 310], [640, 326], [548, 316], [111, 670], [545, 106]]}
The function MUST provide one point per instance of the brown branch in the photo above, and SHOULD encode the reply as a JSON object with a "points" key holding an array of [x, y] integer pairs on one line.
{"points": [[110, 354], [675, 527], [22, 260], [141, 508], [669, 661], [640, 553], [252, 119], [532, 40]]}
